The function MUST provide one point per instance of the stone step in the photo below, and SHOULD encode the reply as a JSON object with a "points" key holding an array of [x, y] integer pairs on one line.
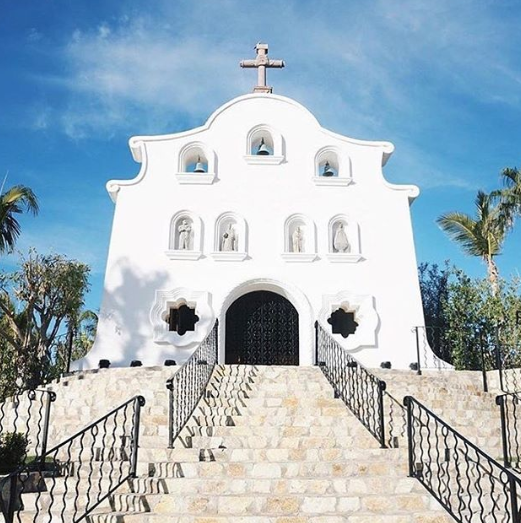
{"points": [[361, 517], [273, 505]]}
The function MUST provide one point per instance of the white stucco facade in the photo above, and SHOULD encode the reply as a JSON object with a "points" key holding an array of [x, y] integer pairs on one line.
{"points": [[264, 198]]}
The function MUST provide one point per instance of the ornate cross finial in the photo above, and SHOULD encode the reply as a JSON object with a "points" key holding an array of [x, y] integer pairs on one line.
{"points": [[261, 63]]}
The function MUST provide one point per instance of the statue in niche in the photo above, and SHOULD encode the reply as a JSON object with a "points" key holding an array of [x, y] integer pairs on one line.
{"points": [[184, 235], [297, 240], [229, 240], [340, 241]]}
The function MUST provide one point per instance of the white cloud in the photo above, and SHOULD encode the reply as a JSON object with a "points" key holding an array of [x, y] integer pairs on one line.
{"points": [[373, 70]]}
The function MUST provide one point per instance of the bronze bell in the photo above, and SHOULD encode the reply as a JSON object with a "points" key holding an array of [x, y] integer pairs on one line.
{"points": [[327, 170], [199, 166], [262, 150]]}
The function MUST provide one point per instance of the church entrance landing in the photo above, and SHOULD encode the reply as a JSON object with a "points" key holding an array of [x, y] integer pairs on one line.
{"points": [[262, 329]]}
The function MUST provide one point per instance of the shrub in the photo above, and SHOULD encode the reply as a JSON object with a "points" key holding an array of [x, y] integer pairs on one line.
{"points": [[13, 449]]}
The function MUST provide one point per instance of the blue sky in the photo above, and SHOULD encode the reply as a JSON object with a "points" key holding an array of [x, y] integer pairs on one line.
{"points": [[441, 80]]}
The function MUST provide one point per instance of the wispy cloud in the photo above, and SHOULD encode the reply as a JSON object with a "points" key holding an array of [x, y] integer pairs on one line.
{"points": [[373, 70]]}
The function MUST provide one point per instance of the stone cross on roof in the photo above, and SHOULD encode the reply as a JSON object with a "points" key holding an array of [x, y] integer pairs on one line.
{"points": [[261, 63]]}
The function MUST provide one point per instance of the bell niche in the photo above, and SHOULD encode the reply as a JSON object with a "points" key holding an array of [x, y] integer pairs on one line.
{"points": [[332, 167], [196, 164], [264, 146]]}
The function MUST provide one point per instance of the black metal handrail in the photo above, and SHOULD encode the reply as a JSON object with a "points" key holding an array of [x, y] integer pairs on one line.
{"points": [[361, 391], [73, 478], [188, 384], [28, 413], [467, 482], [510, 414]]}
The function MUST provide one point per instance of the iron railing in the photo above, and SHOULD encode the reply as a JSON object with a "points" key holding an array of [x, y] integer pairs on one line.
{"points": [[28, 413], [69, 481], [468, 483], [360, 390], [188, 384], [433, 350], [510, 413]]}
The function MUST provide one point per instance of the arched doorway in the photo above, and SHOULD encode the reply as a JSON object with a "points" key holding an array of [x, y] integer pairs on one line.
{"points": [[262, 329]]}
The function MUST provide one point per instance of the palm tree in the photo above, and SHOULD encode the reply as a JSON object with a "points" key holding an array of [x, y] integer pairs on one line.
{"points": [[12, 202], [509, 197], [482, 236]]}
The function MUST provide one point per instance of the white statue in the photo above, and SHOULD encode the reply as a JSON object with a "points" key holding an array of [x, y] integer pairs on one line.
{"points": [[184, 235], [297, 239], [340, 242], [229, 240]]}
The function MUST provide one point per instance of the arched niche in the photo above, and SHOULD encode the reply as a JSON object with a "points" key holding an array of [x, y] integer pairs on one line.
{"points": [[343, 239], [273, 142], [230, 238], [185, 236], [299, 239], [166, 300], [332, 160], [192, 155]]}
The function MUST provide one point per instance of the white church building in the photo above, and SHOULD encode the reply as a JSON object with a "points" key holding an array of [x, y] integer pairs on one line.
{"points": [[267, 222]]}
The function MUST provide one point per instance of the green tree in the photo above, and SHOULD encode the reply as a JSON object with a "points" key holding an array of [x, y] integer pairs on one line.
{"points": [[510, 196], [13, 202], [35, 302], [476, 315], [482, 236]]}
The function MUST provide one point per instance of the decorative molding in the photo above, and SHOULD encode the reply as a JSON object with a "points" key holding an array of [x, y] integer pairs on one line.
{"points": [[175, 254], [344, 257], [228, 256], [365, 315], [184, 178], [165, 299], [335, 181], [299, 257], [256, 159]]}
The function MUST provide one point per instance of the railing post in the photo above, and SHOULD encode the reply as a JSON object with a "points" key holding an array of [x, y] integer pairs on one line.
{"points": [[500, 400], [216, 341], [139, 402], [513, 498], [483, 369], [418, 370], [51, 396], [170, 387], [316, 343], [499, 359], [381, 388], [13, 485], [407, 401]]}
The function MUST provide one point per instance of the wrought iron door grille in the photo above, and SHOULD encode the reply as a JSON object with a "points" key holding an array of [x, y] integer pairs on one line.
{"points": [[262, 328]]}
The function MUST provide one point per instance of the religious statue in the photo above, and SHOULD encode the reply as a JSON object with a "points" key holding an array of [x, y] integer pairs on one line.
{"points": [[184, 235], [229, 240], [297, 239], [340, 241]]}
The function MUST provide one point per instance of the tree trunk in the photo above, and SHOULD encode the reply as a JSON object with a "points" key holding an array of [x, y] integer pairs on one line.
{"points": [[493, 274]]}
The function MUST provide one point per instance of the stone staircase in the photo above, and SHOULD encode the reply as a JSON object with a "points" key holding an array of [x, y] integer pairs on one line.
{"points": [[456, 397], [265, 444]]}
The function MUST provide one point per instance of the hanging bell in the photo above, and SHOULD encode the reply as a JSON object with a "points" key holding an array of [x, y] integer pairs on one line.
{"points": [[199, 166], [327, 170], [262, 150]]}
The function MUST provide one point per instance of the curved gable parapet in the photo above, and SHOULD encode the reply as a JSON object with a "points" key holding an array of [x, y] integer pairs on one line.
{"points": [[113, 186]]}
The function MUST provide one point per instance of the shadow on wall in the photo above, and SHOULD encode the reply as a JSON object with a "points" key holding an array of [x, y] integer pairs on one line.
{"points": [[124, 329]]}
